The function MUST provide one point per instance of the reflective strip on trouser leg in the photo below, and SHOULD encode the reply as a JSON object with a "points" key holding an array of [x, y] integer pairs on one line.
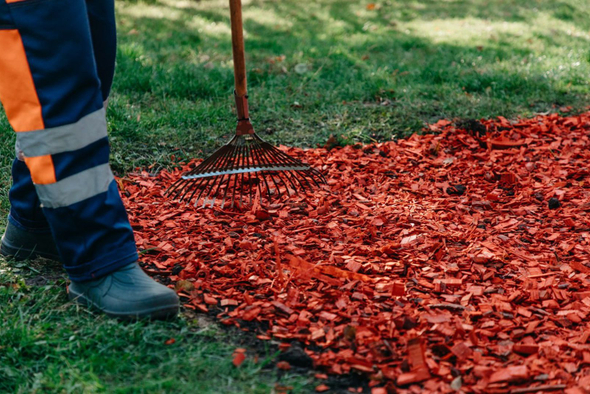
{"points": [[66, 147], [21, 103]]}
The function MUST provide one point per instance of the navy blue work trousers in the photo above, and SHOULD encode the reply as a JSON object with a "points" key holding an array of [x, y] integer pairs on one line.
{"points": [[57, 61]]}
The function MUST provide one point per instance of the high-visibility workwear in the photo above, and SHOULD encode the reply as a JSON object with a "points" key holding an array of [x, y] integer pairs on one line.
{"points": [[56, 68]]}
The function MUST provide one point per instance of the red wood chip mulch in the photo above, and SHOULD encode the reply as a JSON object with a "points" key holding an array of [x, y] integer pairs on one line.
{"points": [[452, 260]]}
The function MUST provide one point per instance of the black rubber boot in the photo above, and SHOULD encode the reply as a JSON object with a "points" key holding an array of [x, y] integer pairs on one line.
{"points": [[127, 294], [24, 245]]}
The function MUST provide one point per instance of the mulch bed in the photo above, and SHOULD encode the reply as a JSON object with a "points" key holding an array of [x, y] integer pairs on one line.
{"points": [[455, 260]]}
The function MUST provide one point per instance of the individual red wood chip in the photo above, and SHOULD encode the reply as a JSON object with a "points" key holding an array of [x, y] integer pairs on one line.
{"points": [[284, 365], [461, 350], [398, 289], [450, 282], [238, 359], [279, 388], [416, 350], [327, 316], [262, 215], [510, 374], [578, 266], [282, 307], [574, 390], [227, 302], [322, 388], [525, 349], [251, 314], [416, 376]]}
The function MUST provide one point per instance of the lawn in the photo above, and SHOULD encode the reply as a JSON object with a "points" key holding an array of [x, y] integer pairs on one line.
{"points": [[361, 71]]}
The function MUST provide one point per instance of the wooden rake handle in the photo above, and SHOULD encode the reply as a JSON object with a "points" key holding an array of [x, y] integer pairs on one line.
{"points": [[237, 38]]}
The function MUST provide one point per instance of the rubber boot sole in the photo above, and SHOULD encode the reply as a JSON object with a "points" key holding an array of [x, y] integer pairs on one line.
{"points": [[161, 312]]}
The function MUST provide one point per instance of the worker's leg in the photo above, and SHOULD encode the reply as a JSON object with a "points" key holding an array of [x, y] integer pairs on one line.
{"points": [[28, 233], [51, 93]]}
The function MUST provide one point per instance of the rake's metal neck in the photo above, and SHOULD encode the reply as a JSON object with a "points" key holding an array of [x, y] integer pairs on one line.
{"points": [[244, 126]]}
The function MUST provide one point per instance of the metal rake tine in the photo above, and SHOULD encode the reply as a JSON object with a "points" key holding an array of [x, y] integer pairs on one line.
{"points": [[241, 186], [281, 180], [212, 202], [264, 157], [253, 155], [280, 157], [279, 173], [270, 153], [190, 187], [220, 156], [229, 177], [183, 186], [261, 192], [187, 188], [267, 187], [228, 158], [303, 177], [209, 163], [205, 165], [233, 198], [242, 163], [259, 153], [288, 176], [175, 188], [272, 175], [224, 193], [228, 161], [273, 153], [310, 175], [248, 165], [318, 174], [203, 190]]}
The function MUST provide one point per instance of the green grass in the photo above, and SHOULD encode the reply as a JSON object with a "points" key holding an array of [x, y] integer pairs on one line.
{"points": [[50, 345], [316, 68]]}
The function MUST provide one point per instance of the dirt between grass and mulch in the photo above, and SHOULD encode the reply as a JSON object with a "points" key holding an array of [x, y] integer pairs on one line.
{"points": [[446, 261]]}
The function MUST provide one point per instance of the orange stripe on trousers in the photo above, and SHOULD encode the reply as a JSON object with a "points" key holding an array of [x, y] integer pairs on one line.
{"points": [[17, 89], [42, 169]]}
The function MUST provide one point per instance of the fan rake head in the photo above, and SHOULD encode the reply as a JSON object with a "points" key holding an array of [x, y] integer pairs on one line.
{"points": [[245, 167]]}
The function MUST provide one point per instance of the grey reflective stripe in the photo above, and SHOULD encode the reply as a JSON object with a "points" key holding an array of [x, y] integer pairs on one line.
{"points": [[76, 188], [66, 138]]}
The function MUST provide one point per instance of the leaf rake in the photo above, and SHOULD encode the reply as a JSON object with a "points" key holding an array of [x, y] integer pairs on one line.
{"points": [[246, 165]]}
